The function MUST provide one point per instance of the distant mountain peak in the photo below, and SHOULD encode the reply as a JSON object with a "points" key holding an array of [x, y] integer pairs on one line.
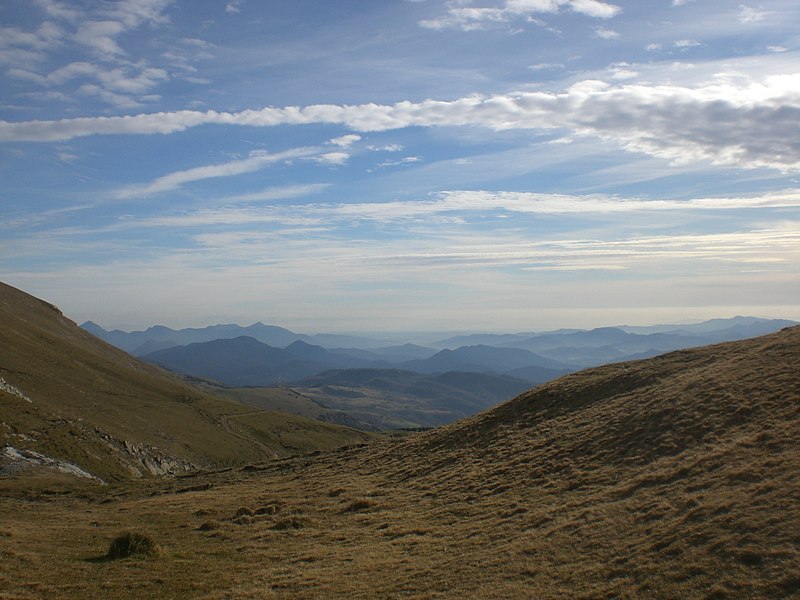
{"points": [[91, 327]]}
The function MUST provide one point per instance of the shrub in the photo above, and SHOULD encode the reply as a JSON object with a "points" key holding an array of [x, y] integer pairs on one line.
{"points": [[132, 543]]}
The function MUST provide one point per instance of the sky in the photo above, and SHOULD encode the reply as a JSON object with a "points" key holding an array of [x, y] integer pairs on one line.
{"points": [[401, 165]]}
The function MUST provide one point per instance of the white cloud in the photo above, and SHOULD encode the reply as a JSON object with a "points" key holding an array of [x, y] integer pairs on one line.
{"points": [[450, 205], [130, 79], [98, 28], [748, 14], [323, 255], [468, 18], [652, 47], [387, 148], [58, 10], [67, 157], [594, 8], [23, 49], [257, 160], [99, 35], [332, 158], [546, 66], [622, 71], [345, 141], [133, 13], [279, 193], [393, 163], [685, 43], [734, 122], [606, 34], [108, 96]]}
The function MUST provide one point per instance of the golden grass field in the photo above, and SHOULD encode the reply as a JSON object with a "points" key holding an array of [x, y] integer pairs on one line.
{"points": [[674, 477]]}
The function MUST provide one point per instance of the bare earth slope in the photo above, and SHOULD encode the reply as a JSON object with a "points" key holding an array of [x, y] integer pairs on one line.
{"points": [[68, 396], [673, 477]]}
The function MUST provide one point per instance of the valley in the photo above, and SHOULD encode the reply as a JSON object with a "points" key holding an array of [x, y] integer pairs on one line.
{"points": [[373, 386]]}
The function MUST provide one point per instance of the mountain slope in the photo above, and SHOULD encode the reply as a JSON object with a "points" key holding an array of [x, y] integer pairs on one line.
{"points": [[72, 397]]}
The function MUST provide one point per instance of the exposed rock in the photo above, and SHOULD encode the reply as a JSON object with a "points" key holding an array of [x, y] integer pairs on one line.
{"points": [[7, 387], [141, 459], [15, 460]]}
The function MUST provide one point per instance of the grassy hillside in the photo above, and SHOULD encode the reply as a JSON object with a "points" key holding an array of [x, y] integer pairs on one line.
{"points": [[674, 477], [69, 396]]}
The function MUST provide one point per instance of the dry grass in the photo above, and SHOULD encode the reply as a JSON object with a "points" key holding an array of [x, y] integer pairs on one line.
{"points": [[670, 478]]}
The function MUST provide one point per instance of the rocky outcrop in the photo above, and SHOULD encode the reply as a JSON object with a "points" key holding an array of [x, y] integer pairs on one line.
{"points": [[14, 460], [14, 391], [142, 459]]}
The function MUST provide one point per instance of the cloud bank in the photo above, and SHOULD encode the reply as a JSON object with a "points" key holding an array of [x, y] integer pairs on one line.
{"points": [[749, 125]]}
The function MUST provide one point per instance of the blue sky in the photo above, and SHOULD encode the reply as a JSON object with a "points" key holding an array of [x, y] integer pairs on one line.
{"points": [[399, 165]]}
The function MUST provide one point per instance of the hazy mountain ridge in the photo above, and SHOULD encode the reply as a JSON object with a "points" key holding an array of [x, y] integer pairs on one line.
{"points": [[245, 361], [138, 343], [577, 348], [483, 358], [160, 337]]}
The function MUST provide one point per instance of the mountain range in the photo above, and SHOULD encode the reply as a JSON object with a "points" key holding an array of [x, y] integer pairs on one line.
{"points": [[160, 337], [569, 348], [420, 394], [244, 361]]}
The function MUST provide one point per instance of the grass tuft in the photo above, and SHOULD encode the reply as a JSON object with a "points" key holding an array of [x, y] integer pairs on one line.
{"points": [[359, 505], [132, 543], [269, 509], [289, 523]]}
